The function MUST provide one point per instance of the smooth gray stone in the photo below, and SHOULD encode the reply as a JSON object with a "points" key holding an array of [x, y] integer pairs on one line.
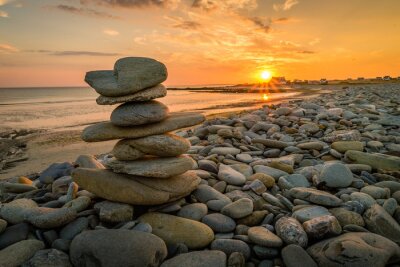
{"points": [[18, 253], [296, 256], [204, 258], [147, 94], [229, 246], [49, 258], [132, 114], [219, 223], [74, 228], [14, 234]]}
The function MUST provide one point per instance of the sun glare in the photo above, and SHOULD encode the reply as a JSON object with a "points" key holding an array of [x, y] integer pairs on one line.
{"points": [[266, 75], [265, 97]]}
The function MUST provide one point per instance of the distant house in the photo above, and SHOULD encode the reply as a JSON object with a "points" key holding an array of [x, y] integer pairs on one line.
{"points": [[323, 81], [387, 78], [278, 80], [379, 78]]}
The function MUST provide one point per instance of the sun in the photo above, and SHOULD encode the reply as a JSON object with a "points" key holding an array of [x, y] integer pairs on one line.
{"points": [[266, 75]]}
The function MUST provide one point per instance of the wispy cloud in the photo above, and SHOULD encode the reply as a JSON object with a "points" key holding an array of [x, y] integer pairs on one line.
{"points": [[133, 3], [74, 53], [111, 32], [7, 49], [262, 23], [210, 5], [83, 11], [3, 14], [288, 4], [181, 23]]}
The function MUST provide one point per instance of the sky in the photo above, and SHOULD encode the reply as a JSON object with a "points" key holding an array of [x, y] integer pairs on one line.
{"points": [[55, 42]]}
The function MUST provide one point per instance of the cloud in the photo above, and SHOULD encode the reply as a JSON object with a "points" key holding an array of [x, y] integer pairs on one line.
{"points": [[82, 11], [3, 14], [181, 23], [209, 5], [111, 32], [133, 3], [263, 24], [74, 53], [288, 4], [8, 49]]}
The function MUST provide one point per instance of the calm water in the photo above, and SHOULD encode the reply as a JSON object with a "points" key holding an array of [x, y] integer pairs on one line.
{"points": [[59, 108]]}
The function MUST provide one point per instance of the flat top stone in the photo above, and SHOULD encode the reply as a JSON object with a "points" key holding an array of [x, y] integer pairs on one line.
{"points": [[315, 196], [263, 237], [153, 167], [132, 114], [130, 75], [107, 131], [147, 94]]}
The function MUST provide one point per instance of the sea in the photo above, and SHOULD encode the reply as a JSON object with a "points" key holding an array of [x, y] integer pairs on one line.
{"points": [[61, 108]]}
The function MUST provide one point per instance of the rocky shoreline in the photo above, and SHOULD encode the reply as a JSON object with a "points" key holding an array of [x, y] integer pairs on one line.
{"points": [[304, 183]]}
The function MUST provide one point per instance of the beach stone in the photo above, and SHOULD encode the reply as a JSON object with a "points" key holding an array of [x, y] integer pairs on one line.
{"points": [[135, 190], [3, 225], [295, 256], [107, 131], [54, 171], [15, 211], [219, 223], [208, 165], [88, 161], [195, 211], [78, 204], [380, 222], [153, 167], [375, 160], [74, 228], [255, 218], [283, 111], [346, 217], [61, 185], [225, 151], [231, 176], [229, 246], [269, 171], [293, 180], [356, 250], [130, 75], [266, 252], [14, 234], [139, 113], [165, 145], [49, 258], [310, 212], [309, 128], [336, 175], [315, 196], [244, 169], [319, 227], [343, 146], [20, 252], [236, 259], [365, 199], [50, 218], [100, 247], [390, 206], [214, 199], [7, 187], [203, 258], [311, 145], [263, 237], [267, 180], [392, 185], [270, 143], [342, 135], [375, 191], [174, 230], [113, 212], [291, 231], [147, 94], [238, 209], [246, 158]]}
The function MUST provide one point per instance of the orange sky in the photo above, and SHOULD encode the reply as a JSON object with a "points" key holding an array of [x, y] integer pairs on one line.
{"points": [[54, 42]]}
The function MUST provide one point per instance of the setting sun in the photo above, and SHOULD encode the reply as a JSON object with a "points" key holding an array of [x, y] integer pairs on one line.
{"points": [[266, 75]]}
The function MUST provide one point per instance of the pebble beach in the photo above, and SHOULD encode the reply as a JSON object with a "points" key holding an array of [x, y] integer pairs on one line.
{"points": [[313, 182]]}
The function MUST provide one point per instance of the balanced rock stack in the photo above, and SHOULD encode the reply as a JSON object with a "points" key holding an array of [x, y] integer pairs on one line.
{"points": [[148, 167]]}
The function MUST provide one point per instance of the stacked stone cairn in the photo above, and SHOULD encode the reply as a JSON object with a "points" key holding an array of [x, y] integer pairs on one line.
{"points": [[147, 167]]}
